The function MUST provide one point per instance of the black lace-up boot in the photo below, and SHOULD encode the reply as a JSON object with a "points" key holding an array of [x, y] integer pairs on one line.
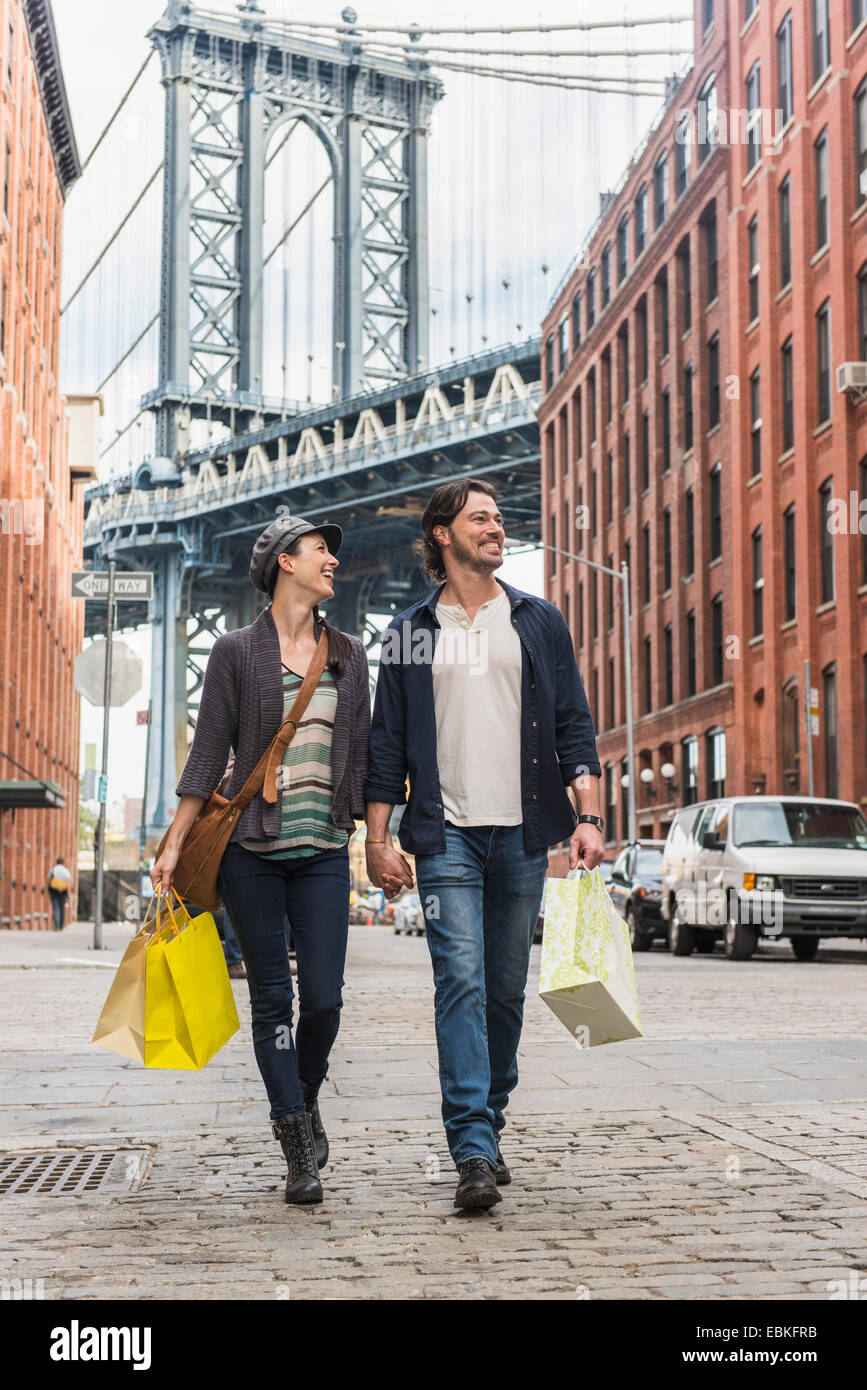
{"points": [[310, 1092], [477, 1185], [296, 1140]]}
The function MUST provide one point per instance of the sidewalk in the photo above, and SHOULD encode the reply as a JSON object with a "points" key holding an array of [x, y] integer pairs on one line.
{"points": [[721, 1156]]}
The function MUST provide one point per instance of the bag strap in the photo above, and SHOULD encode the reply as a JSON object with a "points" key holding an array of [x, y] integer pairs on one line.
{"points": [[265, 771]]}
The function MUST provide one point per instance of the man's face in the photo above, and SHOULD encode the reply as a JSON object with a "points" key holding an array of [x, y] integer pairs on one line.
{"points": [[476, 537]]}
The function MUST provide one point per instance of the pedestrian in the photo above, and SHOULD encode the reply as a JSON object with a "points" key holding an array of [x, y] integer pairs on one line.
{"points": [[480, 702], [288, 857], [59, 880]]}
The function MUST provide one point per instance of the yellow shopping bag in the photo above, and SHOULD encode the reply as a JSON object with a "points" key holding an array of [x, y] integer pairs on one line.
{"points": [[171, 1004], [586, 974]]}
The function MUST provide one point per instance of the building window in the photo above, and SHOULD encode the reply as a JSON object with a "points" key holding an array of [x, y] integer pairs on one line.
{"points": [[606, 275], [789, 585], [591, 404], [648, 676], [624, 800], [689, 769], [710, 253], [594, 602], [666, 430], [820, 165], [580, 614], [669, 665], [596, 704], [623, 337], [863, 479], [758, 584], [689, 531], [754, 116], [627, 472], [826, 541], [549, 362], [666, 549], [755, 423], [610, 801], [749, 7], [564, 441], [832, 753], [609, 487], [785, 210], [578, 423], [612, 693], [662, 310], [753, 258], [660, 190], [690, 653], [640, 220], [593, 503], [685, 264], [645, 558], [791, 736], [641, 321], [622, 249], [681, 157], [787, 378], [784, 68], [590, 289], [713, 396], [823, 360], [609, 595], [576, 322], [7, 177], [563, 344], [715, 752], [821, 38], [715, 511], [3, 315], [687, 407], [645, 451], [861, 142], [607, 385], [707, 119], [579, 544], [10, 74], [553, 542], [859, 12], [707, 13]]}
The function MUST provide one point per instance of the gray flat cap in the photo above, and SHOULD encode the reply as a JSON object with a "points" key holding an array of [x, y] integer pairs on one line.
{"points": [[279, 536]]}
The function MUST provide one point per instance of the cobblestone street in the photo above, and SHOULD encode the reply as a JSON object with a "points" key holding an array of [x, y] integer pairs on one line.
{"points": [[721, 1156]]}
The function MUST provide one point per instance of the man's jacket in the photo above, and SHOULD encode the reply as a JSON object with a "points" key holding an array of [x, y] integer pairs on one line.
{"points": [[558, 742]]}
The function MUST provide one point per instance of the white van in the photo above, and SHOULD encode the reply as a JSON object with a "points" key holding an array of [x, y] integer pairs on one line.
{"points": [[747, 867]]}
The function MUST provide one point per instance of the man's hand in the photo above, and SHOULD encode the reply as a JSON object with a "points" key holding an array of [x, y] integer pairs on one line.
{"points": [[587, 846], [387, 869]]}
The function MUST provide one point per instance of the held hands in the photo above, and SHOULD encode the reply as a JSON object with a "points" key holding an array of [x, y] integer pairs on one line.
{"points": [[387, 869], [587, 846]]}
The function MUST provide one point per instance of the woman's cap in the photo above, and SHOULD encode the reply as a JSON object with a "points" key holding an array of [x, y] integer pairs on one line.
{"points": [[279, 536]]}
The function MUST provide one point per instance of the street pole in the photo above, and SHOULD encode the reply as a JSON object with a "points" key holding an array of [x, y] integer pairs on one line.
{"points": [[103, 781], [142, 835], [808, 722], [623, 575]]}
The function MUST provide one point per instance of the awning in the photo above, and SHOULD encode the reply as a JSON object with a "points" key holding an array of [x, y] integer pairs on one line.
{"points": [[36, 793]]}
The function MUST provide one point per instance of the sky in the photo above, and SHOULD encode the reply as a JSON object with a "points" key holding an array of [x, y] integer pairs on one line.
{"points": [[515, 174]]}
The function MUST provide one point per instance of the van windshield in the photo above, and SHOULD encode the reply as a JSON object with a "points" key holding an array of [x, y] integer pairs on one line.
{"points": [[800, 824]]}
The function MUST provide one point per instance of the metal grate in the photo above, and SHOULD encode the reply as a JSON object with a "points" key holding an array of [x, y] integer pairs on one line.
{"points": [[853, 889], [73, 1173]]}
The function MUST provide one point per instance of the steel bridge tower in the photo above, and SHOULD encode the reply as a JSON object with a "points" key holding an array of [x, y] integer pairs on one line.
{"points": [[231, 86]]}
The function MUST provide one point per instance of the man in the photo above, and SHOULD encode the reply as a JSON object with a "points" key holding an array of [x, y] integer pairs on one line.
{"points": [[480, 702], [59, 880]]}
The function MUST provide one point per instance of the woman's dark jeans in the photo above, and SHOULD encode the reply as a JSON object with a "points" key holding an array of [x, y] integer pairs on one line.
{"points": [[313, 893]]}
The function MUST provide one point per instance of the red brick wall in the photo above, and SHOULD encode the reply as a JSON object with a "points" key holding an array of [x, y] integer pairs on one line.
{"points": [[41, 627], [748, 702]]}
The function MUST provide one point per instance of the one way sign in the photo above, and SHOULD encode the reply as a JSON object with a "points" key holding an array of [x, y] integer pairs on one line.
{"points": [[128, 584]]}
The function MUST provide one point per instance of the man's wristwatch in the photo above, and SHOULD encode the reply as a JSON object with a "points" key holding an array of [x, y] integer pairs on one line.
{"points": [[592, 820]]}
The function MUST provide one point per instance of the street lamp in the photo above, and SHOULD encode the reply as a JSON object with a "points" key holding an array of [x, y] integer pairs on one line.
{"points": [[628, 781]]}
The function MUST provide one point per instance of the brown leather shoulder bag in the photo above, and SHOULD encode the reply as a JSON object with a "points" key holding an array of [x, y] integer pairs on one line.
{"points": [[195, 876]]}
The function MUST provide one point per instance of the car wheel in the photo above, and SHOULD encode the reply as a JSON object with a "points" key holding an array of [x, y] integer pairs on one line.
{"points": [[681, 936], [741, 939], [639, 939], [805, 947], [704, 942]]}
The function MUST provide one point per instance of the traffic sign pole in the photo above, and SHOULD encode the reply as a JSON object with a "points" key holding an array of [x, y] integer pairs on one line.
{"points": [[103, 781], [808, 713], [142, 841]]}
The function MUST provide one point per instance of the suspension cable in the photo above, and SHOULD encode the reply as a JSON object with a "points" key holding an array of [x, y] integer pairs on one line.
{"points": [[120, 434], [418, 29], [306, 208], [112, 239], [551, 81], [148, 326], [114, 115]]}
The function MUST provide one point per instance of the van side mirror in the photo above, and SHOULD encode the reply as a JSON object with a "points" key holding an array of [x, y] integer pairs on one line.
{"points": [[710, 840]]}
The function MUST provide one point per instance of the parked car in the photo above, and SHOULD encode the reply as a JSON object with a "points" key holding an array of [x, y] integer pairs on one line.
{"points": [[635, 888], [753, 867], [408, 915]]}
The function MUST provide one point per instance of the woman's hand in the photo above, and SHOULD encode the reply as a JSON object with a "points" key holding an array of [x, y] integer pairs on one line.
{"points": [[164, 868], [387, 869]]}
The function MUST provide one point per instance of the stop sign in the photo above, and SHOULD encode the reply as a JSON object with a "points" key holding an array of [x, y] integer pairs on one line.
{"points": [[126, 672]]}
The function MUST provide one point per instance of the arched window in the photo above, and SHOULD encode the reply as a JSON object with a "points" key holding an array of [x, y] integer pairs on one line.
{"points": [[715, 753]]}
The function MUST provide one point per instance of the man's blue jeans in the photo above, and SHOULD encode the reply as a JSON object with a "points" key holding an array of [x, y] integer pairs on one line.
{"points": [[481, 904]]}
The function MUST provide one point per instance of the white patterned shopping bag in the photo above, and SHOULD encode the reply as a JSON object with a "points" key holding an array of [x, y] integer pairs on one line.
{"points": [[587, 976]]}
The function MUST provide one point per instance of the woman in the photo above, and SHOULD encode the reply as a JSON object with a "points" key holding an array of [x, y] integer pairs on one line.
{"points": [[287, 860]]}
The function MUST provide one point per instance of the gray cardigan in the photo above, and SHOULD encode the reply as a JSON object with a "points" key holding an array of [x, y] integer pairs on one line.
{"points": [[241, 710]]}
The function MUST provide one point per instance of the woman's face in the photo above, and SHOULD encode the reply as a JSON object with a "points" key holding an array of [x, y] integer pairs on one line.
{"points": [[311, 567]]}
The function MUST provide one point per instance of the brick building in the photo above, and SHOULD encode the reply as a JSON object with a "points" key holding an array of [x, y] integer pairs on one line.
{"points": [[692, 424], [41, 627]]}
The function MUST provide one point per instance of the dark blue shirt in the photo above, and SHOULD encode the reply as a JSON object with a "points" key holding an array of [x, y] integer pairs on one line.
{"points": [[558, 742]]}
